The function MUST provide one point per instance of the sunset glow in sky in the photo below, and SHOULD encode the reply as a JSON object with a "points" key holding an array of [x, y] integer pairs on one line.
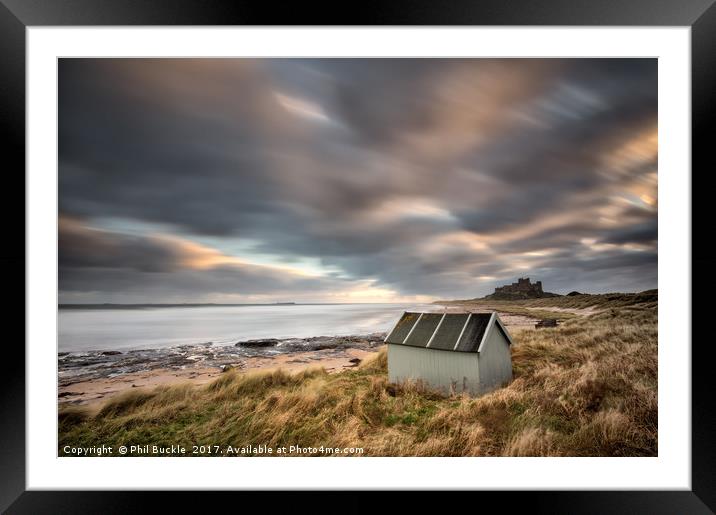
{"points": [[354, 180]]}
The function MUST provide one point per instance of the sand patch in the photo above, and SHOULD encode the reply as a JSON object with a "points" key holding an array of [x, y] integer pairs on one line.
{"points": [[97, 391]]}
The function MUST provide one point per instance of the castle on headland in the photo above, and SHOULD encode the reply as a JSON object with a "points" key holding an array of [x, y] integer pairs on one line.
{"points": [[523, 285], [522, 289]]}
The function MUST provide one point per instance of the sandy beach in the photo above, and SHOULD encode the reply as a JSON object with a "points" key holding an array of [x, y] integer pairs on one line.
{"points": [[96, 391]]}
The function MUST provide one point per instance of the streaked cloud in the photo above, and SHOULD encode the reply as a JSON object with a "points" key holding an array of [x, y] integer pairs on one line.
{"points": [[354, 179], [302, 108]]}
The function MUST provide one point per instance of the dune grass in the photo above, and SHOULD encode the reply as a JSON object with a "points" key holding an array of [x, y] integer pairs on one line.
{"points": [[585, 388], [640, 300]]}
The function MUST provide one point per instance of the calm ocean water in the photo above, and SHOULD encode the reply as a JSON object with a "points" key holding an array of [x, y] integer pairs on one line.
{"points": [[151, 327]]}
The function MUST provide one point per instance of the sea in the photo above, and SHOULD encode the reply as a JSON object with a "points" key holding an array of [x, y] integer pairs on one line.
{"points": [[113, 328], [106, 341]]}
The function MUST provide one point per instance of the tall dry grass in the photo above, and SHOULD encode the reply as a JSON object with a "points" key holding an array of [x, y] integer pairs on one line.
{"points": [[585, 388]]}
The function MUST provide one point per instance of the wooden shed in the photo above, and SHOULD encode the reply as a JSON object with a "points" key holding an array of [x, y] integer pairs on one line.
{"points": [[452, 352]]}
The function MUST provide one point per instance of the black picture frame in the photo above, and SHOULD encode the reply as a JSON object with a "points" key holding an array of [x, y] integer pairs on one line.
{"points": [[17, 15]]}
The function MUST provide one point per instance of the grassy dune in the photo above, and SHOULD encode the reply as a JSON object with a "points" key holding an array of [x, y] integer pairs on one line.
{"points": [[585, 388], [540, 308]]}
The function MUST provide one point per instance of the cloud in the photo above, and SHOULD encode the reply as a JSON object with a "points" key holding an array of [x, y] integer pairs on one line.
{"points": [[97, 265], [641, 233], [415, 176]]}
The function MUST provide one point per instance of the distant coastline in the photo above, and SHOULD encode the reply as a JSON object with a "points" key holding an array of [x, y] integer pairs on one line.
{"points": [[142, 306], [205, 304]]}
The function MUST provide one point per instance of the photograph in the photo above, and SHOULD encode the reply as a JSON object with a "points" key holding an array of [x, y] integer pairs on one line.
{"points": [[434, 238], [357, 257]]}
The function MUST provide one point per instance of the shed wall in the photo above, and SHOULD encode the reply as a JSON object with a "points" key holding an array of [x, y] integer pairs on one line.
{"points": [[440, 369], [495, 361]]}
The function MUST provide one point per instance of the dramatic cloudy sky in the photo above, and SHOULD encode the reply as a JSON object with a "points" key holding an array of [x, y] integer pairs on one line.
{"points": [[354, 180]]}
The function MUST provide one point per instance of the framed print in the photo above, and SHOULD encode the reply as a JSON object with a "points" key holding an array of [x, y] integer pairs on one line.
{"points": [[424, 252]]}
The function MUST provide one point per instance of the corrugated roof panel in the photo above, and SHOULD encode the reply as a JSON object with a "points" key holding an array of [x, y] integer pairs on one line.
{"points": [[474, 331], [450, 329], [417, 329], [424, 330], [403, 327]]}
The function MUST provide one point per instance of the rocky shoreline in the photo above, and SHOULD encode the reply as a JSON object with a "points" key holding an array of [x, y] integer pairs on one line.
{"points": [[75, 367]]}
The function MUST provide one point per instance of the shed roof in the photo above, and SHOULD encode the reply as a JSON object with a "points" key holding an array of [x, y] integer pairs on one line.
{"points": [[459, 332]]}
